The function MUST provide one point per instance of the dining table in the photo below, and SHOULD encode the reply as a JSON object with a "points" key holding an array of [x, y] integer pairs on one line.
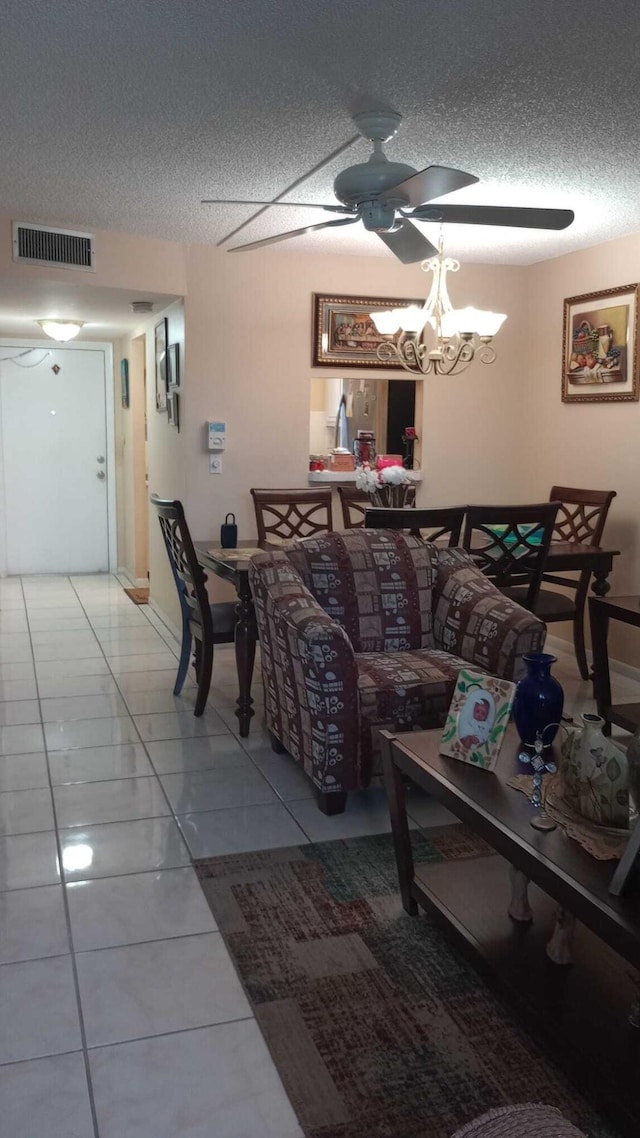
{"points": [[232, 565]]}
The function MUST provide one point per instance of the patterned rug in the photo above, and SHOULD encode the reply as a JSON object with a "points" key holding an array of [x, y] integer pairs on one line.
{"points": [[378, 1027], [139, 596]]}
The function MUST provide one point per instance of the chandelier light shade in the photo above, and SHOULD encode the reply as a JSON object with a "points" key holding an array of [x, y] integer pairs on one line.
{"points": [[438, 339], [61, 330]]}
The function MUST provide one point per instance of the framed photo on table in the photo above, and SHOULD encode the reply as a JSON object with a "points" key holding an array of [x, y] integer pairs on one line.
{"points": [[345, 335], [600, 362], [477, 719], [161, 342]]}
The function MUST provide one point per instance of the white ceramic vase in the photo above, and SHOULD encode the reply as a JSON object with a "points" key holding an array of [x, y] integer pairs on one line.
{"points": [[595, 774]]}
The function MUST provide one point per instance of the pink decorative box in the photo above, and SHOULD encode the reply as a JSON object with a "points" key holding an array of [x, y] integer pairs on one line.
{"points": [[342, 462], [388, 460]]}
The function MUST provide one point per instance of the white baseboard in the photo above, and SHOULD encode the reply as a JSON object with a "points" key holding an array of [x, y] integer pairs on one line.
{"points": [[556, 644], [134, 582]]}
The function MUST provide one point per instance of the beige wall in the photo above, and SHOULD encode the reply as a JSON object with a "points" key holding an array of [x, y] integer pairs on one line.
{"points": [[167, 462], [581, 444], [248, 330]]}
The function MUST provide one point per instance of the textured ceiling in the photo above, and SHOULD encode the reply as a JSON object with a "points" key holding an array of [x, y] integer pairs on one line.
{"points": [[123, 115]]}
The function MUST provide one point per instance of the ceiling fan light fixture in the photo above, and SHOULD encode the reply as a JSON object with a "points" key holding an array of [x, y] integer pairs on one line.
{"points": [[61, 330]]}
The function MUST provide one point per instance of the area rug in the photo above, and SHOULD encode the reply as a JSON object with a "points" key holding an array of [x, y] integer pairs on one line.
{"points": [[138, 596], [379, 1028]]}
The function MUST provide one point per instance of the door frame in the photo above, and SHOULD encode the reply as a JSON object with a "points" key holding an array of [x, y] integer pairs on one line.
{"points": [[109, 405]]}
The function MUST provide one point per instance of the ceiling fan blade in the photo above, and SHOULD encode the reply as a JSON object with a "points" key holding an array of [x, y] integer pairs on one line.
{"points": [[295, 205], [292, 233], [496, 215], [429, 184], [408, 243]]}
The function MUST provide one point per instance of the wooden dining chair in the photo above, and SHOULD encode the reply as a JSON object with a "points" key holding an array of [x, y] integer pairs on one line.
{"points": [[354, 502], [510, 545], [581, 518], [429, 524], [203, 622], [288, 514]]}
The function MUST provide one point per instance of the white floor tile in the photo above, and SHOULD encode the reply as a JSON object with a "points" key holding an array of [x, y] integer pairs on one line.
{"points": [[38, 1009], [120, 847], [26, 811], [32, 924], [160, 986], [283, 773], [19, 711], [82, 707], [77, 685], [151, 662], [23, 772], [28, 859], [58, 669], [155, 702], [215, 832], [17, 671], [228, 786], [21, 740], [170, 756], [366, 812], [18, 689], [97, 764], [161, 680], [137, 907], [67, 736], [46, 1097], [178, 725], [61, 651], [223, 1081], [70, 638], [120, 800]]}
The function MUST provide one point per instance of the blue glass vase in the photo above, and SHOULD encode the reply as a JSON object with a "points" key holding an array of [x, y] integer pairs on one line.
{"points": [[539, 700]]}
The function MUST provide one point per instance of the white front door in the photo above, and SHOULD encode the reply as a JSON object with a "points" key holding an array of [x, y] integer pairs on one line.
{"points": [[54, 444]]}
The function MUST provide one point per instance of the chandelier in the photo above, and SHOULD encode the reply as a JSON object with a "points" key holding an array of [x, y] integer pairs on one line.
{"points": [[437, 338]]}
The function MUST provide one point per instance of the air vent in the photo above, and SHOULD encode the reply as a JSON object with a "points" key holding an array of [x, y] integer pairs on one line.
{"points": [[42, 245]]}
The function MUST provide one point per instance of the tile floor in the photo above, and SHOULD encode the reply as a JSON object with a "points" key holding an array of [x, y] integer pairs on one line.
{"points": [[120, 1012]]}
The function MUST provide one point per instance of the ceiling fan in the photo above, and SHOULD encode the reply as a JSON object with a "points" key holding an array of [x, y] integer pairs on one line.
{"points": [[387, 196]]}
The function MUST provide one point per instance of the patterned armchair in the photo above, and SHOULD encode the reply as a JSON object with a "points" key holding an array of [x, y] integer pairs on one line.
{"points": [[369, 628]]}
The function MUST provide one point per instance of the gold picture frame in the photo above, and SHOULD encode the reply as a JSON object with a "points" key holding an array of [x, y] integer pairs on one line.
{"points": [[344, 334], [600, 362]]}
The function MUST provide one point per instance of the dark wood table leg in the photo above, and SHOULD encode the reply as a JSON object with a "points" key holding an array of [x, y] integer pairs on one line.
{"points": [[399, 824], [599, 621], [600, 584], [246, 638]]}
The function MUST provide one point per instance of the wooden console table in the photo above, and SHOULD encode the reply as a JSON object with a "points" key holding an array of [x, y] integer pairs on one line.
{"points": [[584, 1011], [601, 611]]}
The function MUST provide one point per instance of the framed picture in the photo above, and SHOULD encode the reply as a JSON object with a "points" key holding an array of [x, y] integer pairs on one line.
{"points": [[162, 386], [173, 373], [124, 382], [477, 719], [173, 408], [600, 354], [345, 335]]}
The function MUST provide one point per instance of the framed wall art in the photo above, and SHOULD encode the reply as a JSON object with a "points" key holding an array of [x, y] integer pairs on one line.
{"points": [[161, 341], [124, 382], [600, 346], [477, 719], [344, 334], [173, 408], [173, 374]]}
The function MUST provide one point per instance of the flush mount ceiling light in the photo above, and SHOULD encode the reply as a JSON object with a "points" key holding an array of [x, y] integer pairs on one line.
{"points": [[61, 330]]}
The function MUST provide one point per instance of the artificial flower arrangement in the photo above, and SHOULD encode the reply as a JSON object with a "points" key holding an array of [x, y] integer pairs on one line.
{"points": [[387, 485]]}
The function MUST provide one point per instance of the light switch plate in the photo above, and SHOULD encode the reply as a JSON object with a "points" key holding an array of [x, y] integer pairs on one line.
{"points": [[215, 464]]}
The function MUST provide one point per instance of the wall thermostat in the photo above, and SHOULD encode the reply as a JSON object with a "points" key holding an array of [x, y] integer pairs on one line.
{"points": [[216, 435]]}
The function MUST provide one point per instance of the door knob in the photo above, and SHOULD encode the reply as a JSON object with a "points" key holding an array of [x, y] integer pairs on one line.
{"points": [[100, 458], [101, 475]]}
